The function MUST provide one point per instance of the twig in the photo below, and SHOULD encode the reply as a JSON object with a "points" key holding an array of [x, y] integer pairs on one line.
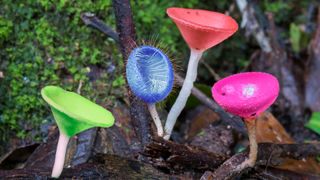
{"points": [[91, 20], [211, 71], [234, 121], [140, 116], [79, 87], [250, 22]]}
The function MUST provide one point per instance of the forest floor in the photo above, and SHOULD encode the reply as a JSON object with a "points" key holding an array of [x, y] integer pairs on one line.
{"points": [[205, 136]]}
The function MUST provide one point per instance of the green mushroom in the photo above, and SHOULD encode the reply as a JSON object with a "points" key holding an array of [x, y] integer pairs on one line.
{"points": [[73, 114]]}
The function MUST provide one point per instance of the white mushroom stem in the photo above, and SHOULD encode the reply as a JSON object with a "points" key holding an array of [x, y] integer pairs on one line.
{"points": [[156, 119], [185, 92], [251, 161], [60, 155]]}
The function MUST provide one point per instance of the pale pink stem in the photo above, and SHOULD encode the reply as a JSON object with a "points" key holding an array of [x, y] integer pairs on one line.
{"points": [[60, 155]]}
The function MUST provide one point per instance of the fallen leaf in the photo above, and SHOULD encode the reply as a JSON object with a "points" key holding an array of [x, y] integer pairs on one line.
{"points": [[270, 130]]}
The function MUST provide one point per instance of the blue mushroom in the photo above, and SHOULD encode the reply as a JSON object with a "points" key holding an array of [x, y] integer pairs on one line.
{"points": [[150, 76]]}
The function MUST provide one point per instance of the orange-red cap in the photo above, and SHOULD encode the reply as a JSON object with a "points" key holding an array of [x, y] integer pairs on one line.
{"points": [[202, 29]]}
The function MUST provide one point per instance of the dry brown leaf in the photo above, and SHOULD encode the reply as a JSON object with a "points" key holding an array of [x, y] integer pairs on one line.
{"points": [[270, 130]]}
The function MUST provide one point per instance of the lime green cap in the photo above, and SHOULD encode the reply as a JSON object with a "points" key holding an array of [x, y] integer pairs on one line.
{"points": [[74, 113]]}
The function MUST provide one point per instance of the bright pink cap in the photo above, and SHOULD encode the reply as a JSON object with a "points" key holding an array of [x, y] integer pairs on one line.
{"points": [[202, 29], [246, 94]]}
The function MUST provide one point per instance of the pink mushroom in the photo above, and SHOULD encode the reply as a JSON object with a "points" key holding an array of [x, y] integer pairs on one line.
{"points": [[247, 95]]}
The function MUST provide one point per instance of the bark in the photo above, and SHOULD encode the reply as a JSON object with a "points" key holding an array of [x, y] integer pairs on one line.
{"points": [[105, 167], [268, 155], [165, 154], [140, 116], [173, 156]]}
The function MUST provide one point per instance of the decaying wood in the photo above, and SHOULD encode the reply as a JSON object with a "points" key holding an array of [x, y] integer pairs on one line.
{"points": [[215, 138], [227, 170], [269, 154], [43, 156], [163, 154], [168, 154], [104, 167], [78, 152], [85, 142], [16, 157], [140, 117], [174, 156], [111, 141]]}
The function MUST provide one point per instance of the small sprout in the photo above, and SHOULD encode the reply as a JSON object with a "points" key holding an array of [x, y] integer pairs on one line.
{"points": [[314, 122], [150, 76], [73, 114], [201, 30], [247, 95]]}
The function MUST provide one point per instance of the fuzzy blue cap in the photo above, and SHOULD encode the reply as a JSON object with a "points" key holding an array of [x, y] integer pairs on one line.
{"points": [[149, 74]]}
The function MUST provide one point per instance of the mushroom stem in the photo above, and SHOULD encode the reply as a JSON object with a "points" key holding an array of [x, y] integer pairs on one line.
{"points": [[251, 127], [156, 119], [185, 92], [60, 155]]}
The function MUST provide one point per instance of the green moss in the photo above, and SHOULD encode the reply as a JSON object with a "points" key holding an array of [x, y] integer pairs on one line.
{"points": [[46, 43]]}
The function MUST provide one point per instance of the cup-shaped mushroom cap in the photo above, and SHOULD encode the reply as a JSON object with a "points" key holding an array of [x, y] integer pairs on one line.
{"points": [[149, 74], [74, 113], [246, 94], [202, 29]]}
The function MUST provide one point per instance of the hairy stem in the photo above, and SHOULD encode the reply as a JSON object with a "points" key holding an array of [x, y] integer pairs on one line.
{"points": [[156, 119], [60, 155], [184, 93]]}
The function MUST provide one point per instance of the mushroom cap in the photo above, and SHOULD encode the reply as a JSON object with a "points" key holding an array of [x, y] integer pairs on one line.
{"points": [[202, 29], [149, 74], [74, 113], [246, 94]]}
